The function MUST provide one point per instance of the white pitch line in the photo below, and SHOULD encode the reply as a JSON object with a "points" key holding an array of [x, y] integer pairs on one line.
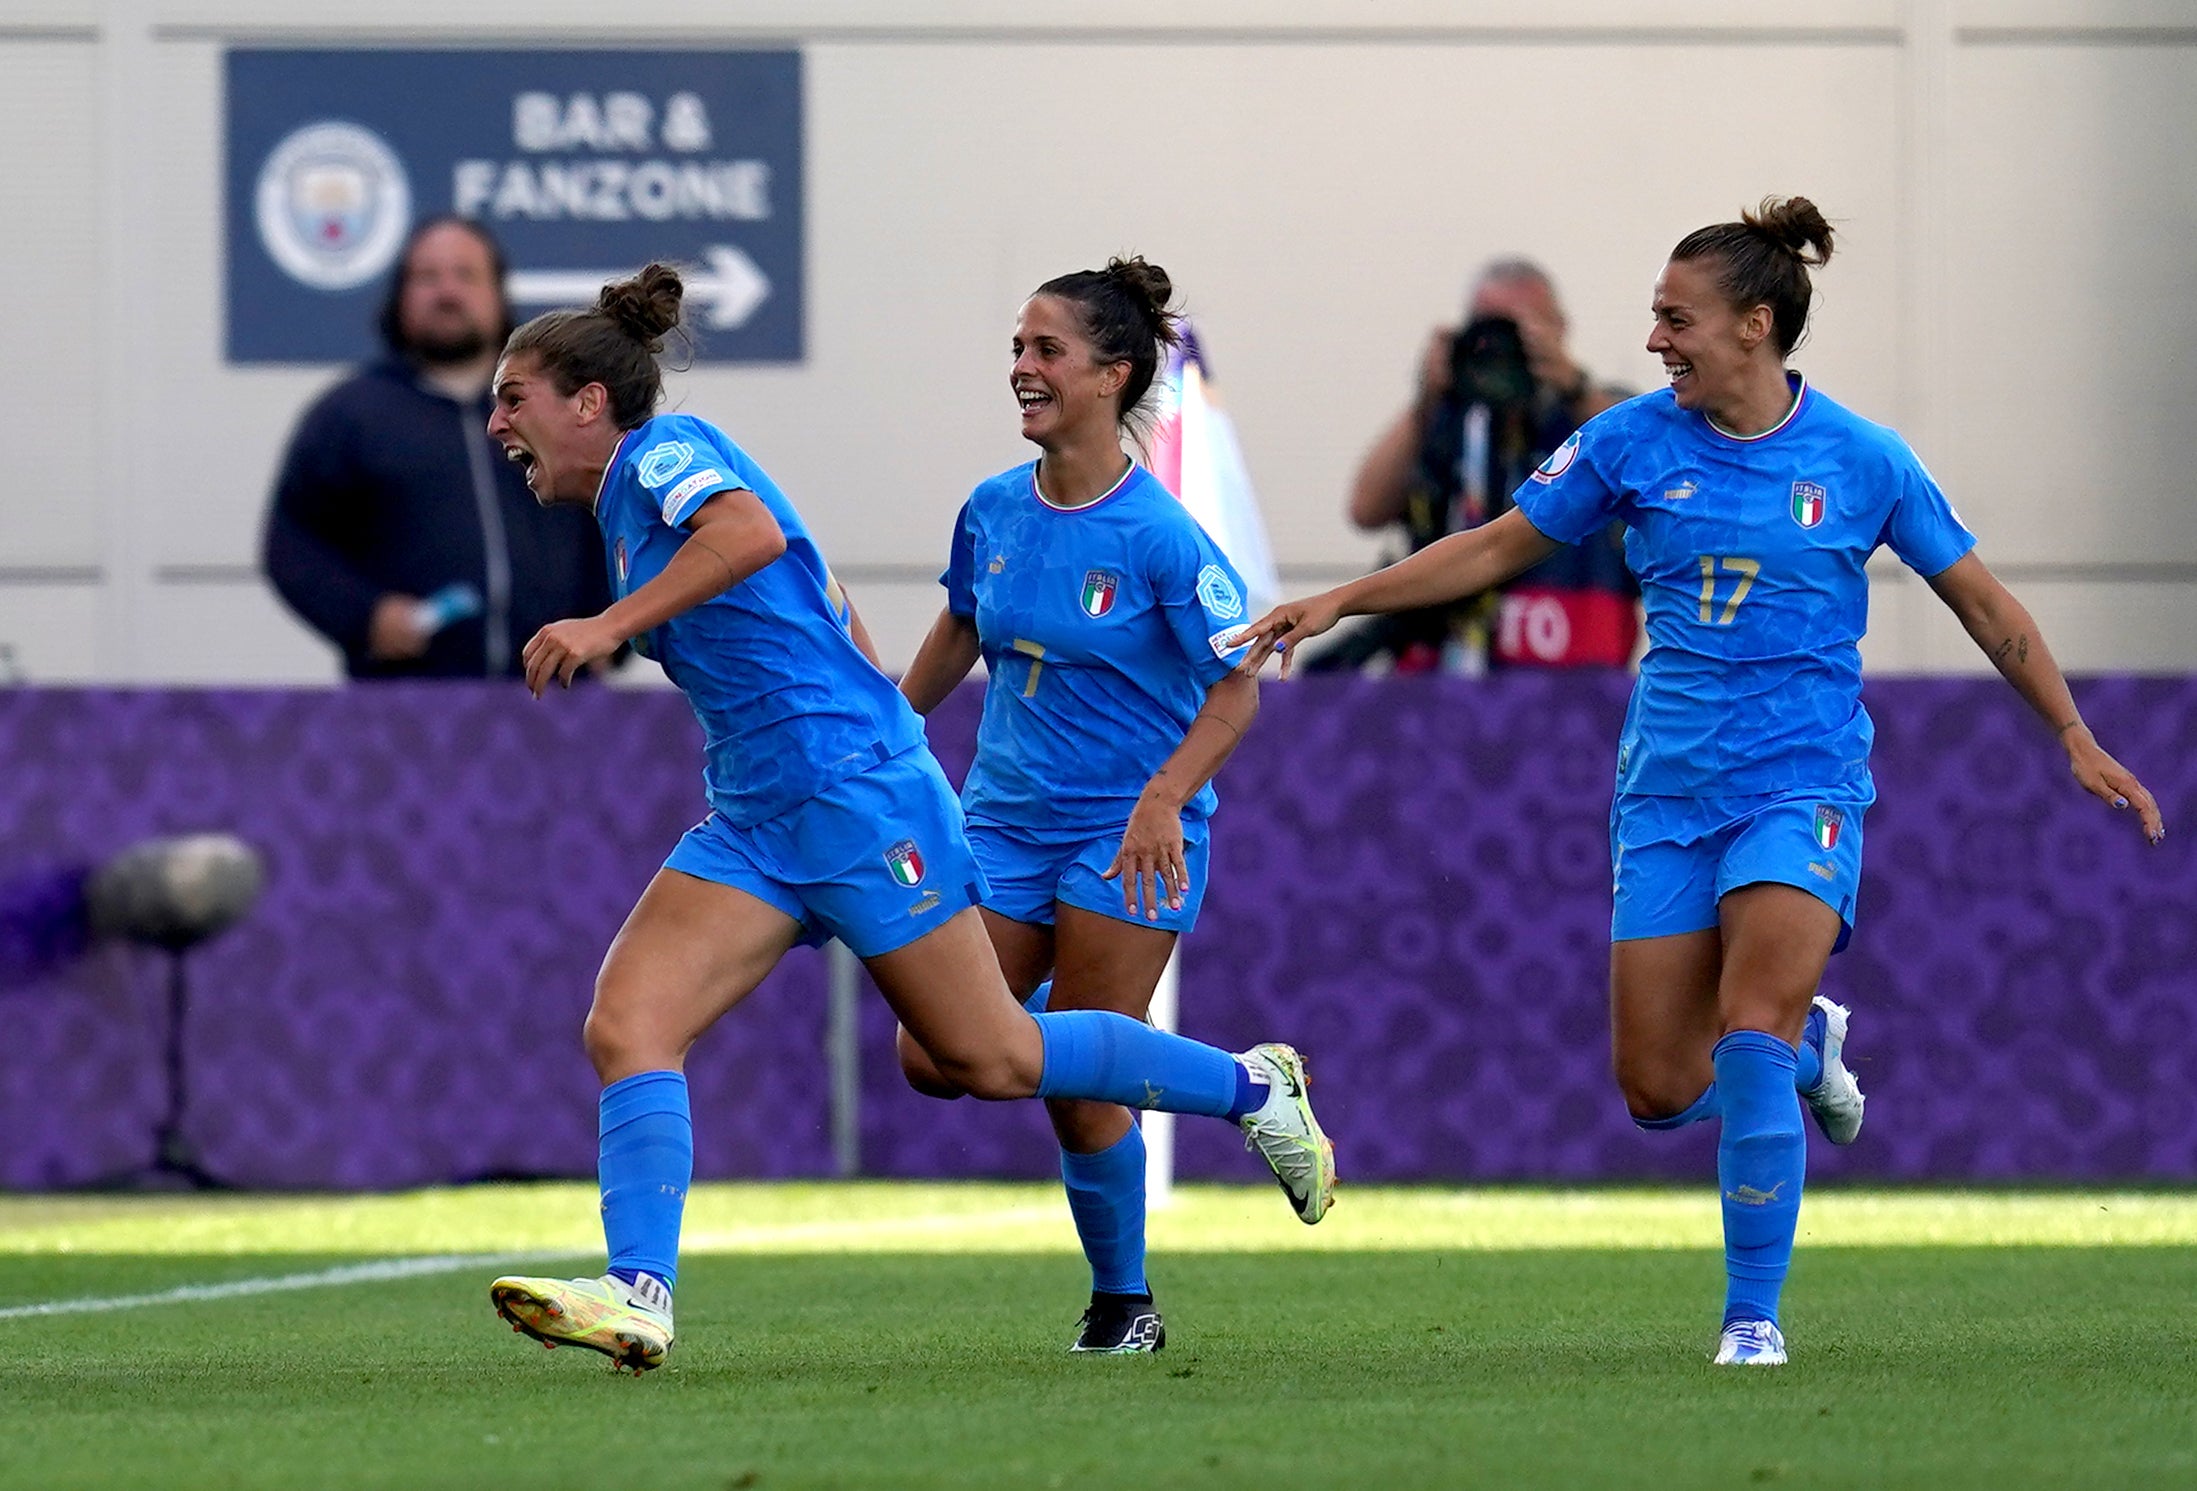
{"points": [[385, 1269], [350, 1273]]}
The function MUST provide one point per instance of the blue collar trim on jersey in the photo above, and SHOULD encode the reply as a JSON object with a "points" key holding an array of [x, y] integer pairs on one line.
{"points": [[1798, 382], [1081, 507]]}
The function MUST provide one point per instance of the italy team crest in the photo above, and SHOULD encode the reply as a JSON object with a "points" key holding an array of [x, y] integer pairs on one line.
{"points": [[1829, 821], [1808, 503], [618, 553], [906, 862], [1099, 589]]}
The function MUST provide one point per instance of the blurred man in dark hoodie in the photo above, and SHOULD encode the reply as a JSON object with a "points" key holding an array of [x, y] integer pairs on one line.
{"points": [[397, 530]]}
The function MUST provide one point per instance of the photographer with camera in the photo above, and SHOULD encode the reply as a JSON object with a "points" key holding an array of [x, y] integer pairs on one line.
{"points": [[1495, 398]]}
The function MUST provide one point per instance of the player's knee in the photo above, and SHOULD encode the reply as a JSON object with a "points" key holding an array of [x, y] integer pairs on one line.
{"points": [[992, 1075], [922, 1073], [621, 1040], [1650, 1095], [606, 1040]]}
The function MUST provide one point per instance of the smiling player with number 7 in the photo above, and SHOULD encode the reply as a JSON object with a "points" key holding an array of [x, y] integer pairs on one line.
{"points": [[1752, 503], [1106, 618]]}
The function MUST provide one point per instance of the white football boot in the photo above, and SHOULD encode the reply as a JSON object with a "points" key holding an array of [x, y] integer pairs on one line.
{"points": [[1836, 1101], [1750, 1343]]}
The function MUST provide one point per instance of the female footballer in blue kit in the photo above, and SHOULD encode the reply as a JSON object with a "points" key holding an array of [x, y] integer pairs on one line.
{"points": [[1752, 502], [828, 816], [1105, 616]]}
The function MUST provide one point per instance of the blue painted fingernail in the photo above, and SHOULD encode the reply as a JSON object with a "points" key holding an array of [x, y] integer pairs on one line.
{"points": [[2120, 802]]}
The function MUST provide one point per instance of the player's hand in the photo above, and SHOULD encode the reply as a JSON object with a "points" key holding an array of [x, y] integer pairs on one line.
{"points": [[563, 648], [2106, 779], [1281, 629], [1149, 863]]}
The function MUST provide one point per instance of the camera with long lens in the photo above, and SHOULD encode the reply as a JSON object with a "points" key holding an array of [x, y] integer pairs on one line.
{"points": [[1487, 365], [1477, 443]]}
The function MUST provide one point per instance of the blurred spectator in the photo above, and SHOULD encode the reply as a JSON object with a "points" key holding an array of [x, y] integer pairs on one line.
{"points": [[397, 530], [1495, 397]]}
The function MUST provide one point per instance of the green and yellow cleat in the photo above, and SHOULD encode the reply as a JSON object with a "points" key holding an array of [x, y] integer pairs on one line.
{"points": [[629, 1323], [1285, 1133]]}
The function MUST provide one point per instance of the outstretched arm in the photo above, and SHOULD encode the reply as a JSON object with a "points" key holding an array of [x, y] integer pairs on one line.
{"points": [[949, 651], [1460, 565], [2008, 635], [729, 537]]}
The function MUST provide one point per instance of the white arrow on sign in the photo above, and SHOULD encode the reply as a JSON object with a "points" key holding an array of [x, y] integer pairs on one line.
{"points": [[731, 286]]}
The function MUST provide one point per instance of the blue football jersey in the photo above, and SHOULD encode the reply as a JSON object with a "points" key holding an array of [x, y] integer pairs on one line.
{"points": [[1102, 627], [1750, 555], [787, 703]]}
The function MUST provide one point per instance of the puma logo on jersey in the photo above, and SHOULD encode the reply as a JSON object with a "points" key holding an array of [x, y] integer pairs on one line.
{"points": [[1680, 492], [999, 562]]}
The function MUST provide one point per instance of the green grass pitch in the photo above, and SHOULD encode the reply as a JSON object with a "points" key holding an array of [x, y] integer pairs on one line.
{"points": [[901, 1336]]}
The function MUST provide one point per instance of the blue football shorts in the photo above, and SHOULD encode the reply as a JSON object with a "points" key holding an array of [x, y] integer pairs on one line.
{"points": [[1675, 858], [877, 859], [1027, 873]]}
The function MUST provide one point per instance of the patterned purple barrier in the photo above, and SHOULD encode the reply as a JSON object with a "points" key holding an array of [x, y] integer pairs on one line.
{"points": [[1410, 883]]}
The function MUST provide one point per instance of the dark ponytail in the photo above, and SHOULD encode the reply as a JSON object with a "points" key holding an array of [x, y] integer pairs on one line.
{"points": [[1764, 259], [1124, 313], [616, 343]]}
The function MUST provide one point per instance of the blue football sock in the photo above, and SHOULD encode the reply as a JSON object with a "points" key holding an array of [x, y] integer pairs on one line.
{"points": [[1108, 1058], [1808, 1076], [1761, 1158], [1701, 1107], [645, 1164], [1106, 1197]]}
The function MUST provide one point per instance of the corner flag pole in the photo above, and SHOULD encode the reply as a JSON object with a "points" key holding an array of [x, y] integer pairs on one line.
{"points": [[1195, 455], [1159, 1128]]}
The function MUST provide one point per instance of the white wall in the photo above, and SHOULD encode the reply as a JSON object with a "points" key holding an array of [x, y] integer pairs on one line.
{"points": [[2013, 286]]}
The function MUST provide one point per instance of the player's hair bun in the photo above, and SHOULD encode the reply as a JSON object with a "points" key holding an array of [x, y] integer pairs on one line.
{"points": [[645, 307], [1149, 286], [1795, 225]]}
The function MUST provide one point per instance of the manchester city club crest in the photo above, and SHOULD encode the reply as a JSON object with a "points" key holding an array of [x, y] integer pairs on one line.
{"points": [[906, 862], [333, 205], [1829, 822], [1100, 586], [1808, 503]]}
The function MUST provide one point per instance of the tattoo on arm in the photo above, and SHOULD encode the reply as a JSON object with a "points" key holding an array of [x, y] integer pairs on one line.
{"points": [[2003, 649], [2021, 653]]}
